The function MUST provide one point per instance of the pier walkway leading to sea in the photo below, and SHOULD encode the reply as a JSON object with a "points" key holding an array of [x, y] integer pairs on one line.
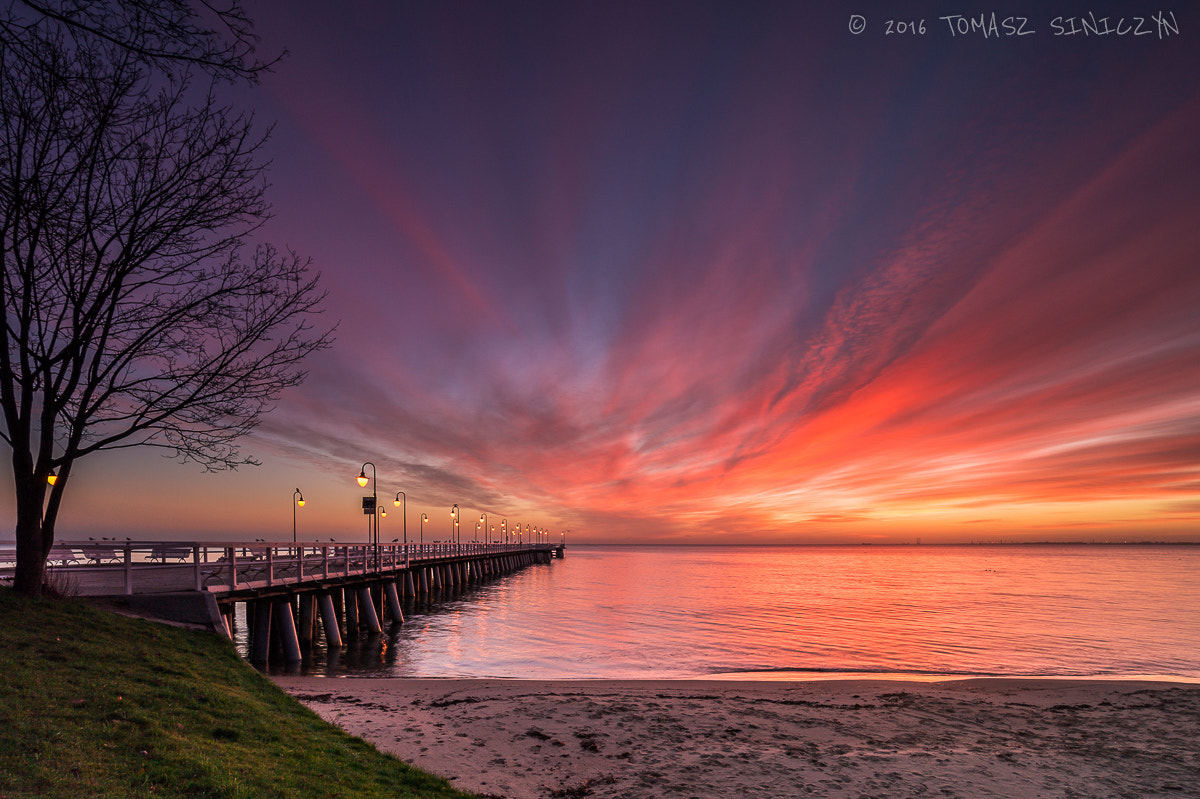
{"points": [[286, 587]]}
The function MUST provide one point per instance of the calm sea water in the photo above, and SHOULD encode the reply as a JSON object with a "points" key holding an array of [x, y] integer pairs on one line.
{"points": [[608, 612]]}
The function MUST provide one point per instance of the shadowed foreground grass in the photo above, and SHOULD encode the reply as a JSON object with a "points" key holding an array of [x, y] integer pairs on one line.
{"points": [[96, 704]]}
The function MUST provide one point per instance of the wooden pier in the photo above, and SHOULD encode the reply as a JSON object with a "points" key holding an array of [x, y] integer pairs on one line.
{"points": [[290, 590]]}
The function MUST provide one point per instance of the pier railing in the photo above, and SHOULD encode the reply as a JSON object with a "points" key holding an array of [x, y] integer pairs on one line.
{"points": [[115, 567]]}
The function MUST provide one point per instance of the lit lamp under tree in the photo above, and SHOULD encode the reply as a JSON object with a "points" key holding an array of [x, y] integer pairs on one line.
{"points": [[297, 502]]}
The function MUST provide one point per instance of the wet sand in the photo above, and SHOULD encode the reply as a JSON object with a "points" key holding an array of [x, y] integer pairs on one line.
{"points": [[530, 739]]}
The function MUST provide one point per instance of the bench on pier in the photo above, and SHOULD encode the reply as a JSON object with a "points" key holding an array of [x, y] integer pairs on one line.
{"points": [[252, 564], [102, 554], [61, 556], [162, 553]]}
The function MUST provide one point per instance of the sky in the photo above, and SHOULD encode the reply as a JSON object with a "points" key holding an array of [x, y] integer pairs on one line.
{"points": [[702, 272]]}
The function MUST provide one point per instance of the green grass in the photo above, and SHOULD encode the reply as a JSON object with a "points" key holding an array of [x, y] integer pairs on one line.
{"points": [[96, 704]]}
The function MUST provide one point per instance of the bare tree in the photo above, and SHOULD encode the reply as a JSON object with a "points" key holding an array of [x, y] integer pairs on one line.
{"points": [[137, 310]]}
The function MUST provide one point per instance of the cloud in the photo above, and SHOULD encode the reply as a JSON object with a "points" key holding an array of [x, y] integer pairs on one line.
{"points": [[704, 278]]}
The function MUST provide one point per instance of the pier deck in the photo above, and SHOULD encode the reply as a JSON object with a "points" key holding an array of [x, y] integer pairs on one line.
{"points": [[289, 589], [233, 570]]}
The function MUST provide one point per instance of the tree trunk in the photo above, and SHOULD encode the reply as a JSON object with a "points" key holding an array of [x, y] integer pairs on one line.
{"points": [[31, 548]]}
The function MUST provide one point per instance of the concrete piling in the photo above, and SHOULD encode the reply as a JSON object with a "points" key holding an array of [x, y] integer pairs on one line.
{"points": [[393, 601], [366, 611], [329, 622], [306, 619], [261, 639], [352, 610], [287, 631]]}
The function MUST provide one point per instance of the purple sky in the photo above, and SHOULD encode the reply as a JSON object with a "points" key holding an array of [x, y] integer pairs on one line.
{"points": [[728, 272]]}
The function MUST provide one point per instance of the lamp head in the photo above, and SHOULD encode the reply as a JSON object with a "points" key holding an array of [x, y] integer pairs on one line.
{"points": [[52, 478], [362, 477]]}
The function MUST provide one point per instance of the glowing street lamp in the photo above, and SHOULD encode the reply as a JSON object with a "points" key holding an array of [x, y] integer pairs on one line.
{"points": [[401, 501], [52, 478], [454, 514], [483, 519], [298, 502], [424, 518], [374, 520]]}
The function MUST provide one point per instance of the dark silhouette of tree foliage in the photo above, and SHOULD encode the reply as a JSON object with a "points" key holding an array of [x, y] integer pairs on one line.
{"points": [[217, 38], [138, 311]]}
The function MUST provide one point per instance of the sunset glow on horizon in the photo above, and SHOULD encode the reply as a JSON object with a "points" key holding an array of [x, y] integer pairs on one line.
{"points": [[696, 273]]}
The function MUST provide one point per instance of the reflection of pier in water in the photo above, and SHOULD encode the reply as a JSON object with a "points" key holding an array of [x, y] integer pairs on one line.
{"points": [[291, 593]]}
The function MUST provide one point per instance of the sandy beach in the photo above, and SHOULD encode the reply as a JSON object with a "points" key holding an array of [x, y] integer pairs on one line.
{"points": [[848, 738]]}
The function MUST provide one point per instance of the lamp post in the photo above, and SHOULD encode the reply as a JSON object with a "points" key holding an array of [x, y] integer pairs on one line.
{"points": [[401, 501], [374, 520], [297, 501], [424, 518], [483, 519], [454, 531]]}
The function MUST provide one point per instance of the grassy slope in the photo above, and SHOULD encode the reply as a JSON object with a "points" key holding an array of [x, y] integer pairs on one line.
{"points": [[95, 704]]}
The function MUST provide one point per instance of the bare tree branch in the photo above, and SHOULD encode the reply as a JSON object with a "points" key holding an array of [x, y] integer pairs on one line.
{"points": [[169, 34]]}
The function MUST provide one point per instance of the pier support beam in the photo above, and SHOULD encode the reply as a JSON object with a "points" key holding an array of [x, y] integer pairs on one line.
{"points": [[306, 620], [352, 609], [329, 622], [366, 610], [287, 630], [393, 601], [262, 631]]}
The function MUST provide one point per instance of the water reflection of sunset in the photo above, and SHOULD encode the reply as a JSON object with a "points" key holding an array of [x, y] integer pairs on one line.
{"points": [[799, 612]]}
